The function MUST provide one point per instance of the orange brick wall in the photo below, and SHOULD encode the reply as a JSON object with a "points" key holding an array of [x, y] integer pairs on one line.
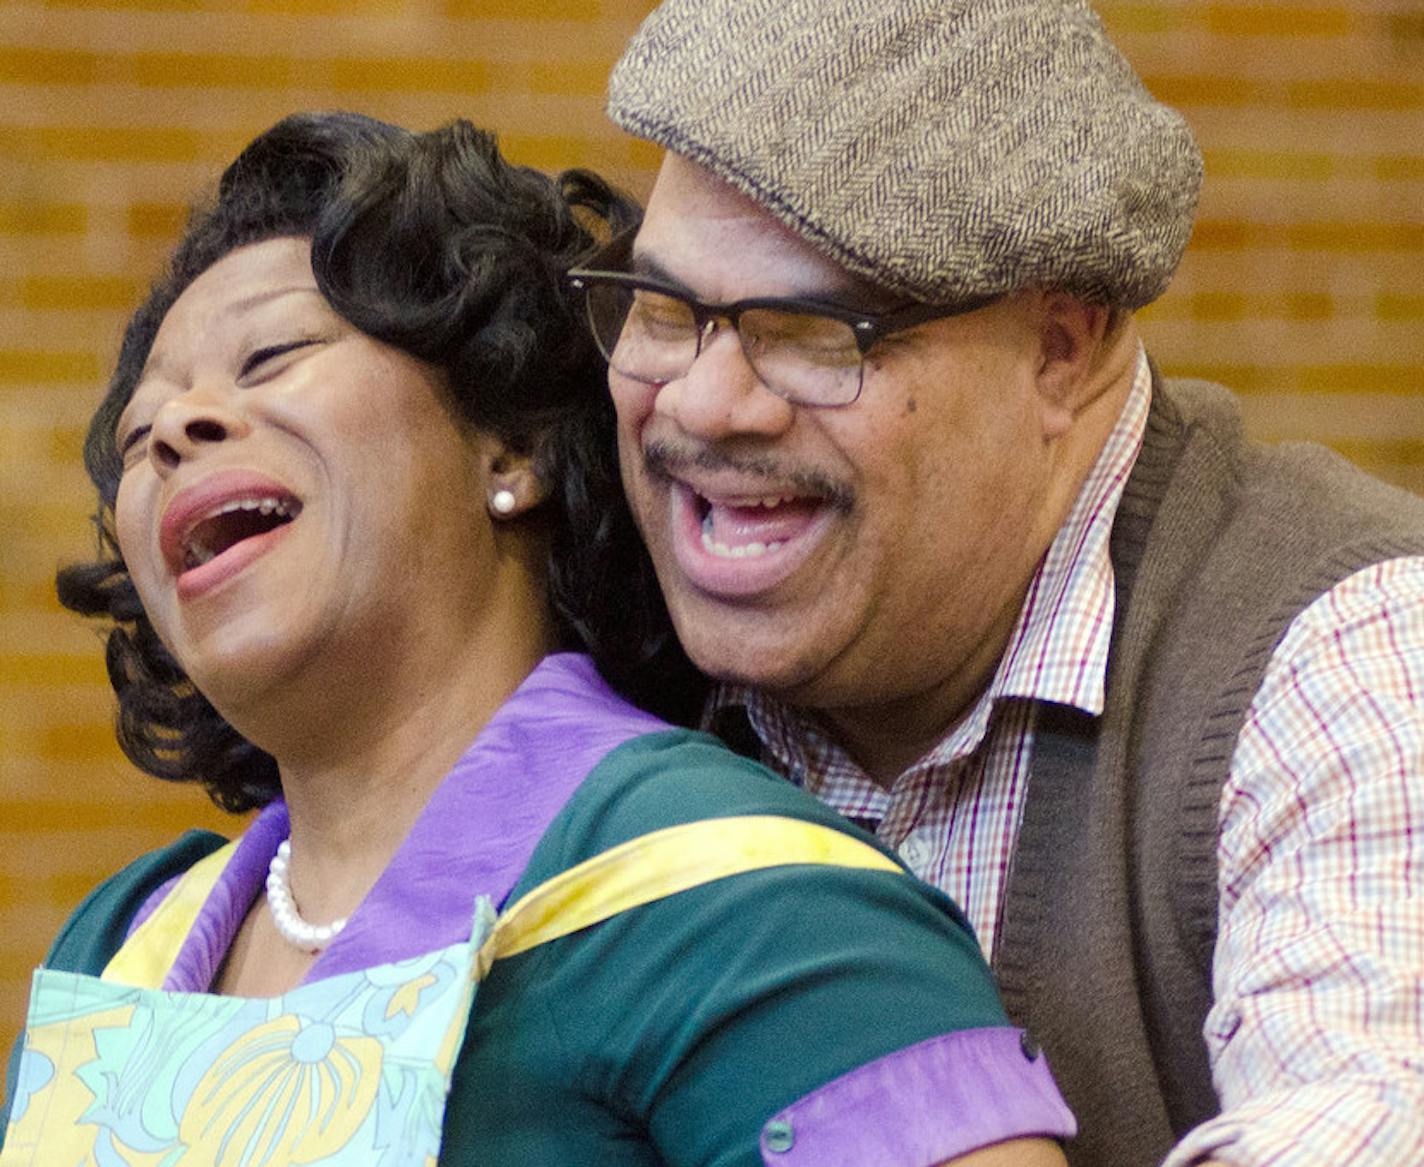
{"points": [[1302, 287], [111, 115], [1304, 283]]}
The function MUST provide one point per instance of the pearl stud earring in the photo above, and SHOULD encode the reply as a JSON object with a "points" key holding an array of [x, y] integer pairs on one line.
{"points": [[502, 502]]}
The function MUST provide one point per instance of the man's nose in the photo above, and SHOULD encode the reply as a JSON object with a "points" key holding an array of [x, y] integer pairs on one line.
{"points": [[721, 395]]}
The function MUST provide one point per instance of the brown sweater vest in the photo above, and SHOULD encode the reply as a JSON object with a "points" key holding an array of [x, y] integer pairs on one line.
{"points": [[1110, 919]]}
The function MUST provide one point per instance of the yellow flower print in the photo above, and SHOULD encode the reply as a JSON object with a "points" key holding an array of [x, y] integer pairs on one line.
{"points": [[404, 999], [54, 1053], [287, 1092]]}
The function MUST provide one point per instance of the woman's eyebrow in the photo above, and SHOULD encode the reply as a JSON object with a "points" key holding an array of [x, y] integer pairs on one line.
{"points": [[154, 365], [124, 426], [257, 299]]}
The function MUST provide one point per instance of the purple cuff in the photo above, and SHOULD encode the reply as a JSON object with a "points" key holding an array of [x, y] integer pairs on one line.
{"points": [[923, 1105]]}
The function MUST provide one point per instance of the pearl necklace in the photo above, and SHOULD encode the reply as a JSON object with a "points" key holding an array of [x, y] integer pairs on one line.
{"points": [[295, 931]]}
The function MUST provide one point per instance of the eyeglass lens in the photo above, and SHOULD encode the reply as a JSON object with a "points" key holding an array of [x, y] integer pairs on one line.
{"points": [[800, 356]]}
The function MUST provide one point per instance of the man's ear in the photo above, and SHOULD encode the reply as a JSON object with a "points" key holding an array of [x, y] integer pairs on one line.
{"points": [[1071, 333], [515, 486]]}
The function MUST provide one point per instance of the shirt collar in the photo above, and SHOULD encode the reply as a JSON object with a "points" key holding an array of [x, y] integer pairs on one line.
{"points": [[1058, 651], [474, 837]]}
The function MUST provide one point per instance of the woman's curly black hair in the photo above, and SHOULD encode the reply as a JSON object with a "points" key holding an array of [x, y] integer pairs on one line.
{"points": [[434, 244]]}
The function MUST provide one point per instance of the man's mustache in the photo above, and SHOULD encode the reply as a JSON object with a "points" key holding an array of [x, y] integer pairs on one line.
{"points": [[664, 458]]}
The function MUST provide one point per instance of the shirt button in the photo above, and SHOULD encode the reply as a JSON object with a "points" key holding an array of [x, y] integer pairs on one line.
{"points": [[916, 852], [779, 1135]]}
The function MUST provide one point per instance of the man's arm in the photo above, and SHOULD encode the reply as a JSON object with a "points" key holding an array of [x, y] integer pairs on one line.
{"points": [[1316, 1033]]}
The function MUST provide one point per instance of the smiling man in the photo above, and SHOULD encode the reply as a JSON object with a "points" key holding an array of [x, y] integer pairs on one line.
{"points": [[1145, 698]]}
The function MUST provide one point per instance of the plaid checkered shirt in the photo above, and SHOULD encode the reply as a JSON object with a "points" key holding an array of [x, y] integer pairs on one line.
{"points": [[1316, 1037]]}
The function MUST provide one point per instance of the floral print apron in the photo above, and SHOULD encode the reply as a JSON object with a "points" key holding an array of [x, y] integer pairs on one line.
{"points": [[349, 1071]]}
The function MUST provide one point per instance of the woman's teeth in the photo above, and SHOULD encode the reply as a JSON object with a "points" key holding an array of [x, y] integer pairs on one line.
{"points": [[267, 506], [199, 552]]}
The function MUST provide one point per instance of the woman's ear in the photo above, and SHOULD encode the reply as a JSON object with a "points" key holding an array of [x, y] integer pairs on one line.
{"points": [[515, 487], [1071, 333]]}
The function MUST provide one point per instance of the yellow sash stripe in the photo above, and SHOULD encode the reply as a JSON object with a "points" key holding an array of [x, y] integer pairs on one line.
{"points": [[634, 873], [663, 863], [145, 958]]}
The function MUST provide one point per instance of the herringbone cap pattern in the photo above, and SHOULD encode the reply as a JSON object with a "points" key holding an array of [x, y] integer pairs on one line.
{"points": [[944, 149]]}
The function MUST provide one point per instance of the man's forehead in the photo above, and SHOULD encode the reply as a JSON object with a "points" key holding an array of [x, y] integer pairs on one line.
{"points": [[695, 219], [682, 180]]}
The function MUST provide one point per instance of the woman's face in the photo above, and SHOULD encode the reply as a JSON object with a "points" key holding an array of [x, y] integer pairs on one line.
{"points": [[299, 505]]}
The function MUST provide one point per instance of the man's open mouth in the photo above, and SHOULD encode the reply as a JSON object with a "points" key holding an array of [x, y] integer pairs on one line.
{"points": [[233, 522], [745, 528]]}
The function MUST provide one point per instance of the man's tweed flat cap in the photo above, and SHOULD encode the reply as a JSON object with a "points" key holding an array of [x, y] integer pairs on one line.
{"points": [[945, 149]]}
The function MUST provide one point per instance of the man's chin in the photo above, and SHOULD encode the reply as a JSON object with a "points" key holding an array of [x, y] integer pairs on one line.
{"points": [[781, 672]]}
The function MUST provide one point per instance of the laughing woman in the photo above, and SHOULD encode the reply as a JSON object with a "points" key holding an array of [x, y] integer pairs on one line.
{"points": [[357, 505]]}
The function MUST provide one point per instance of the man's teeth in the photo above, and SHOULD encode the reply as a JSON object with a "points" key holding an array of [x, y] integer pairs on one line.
{"points": [[742, 550]]}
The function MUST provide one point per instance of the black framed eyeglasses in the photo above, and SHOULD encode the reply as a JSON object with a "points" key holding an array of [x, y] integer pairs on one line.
{"points": [[804, 350]]}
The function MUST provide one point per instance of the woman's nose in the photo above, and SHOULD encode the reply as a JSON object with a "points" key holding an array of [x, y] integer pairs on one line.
{"points": [[187, 425]]}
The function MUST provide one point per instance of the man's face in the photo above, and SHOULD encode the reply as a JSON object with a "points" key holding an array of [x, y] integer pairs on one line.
{"points": [[842, 557]]}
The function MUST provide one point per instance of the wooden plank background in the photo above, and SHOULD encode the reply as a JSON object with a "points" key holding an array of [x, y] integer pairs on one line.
{"points": [[1302, 287]]}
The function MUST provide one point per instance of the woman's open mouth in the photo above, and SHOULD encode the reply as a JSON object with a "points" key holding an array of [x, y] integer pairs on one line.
{"points": [[233, 522], [215, 528]]}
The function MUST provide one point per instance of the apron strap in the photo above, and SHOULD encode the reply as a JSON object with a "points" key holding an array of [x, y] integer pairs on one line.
{"points": [[663, 863], [143, 960]]}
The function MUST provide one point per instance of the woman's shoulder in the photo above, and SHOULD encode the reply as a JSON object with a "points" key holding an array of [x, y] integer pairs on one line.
{"points": [[99, 925], [673, 777], [677, 776], [712, 1004]]}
